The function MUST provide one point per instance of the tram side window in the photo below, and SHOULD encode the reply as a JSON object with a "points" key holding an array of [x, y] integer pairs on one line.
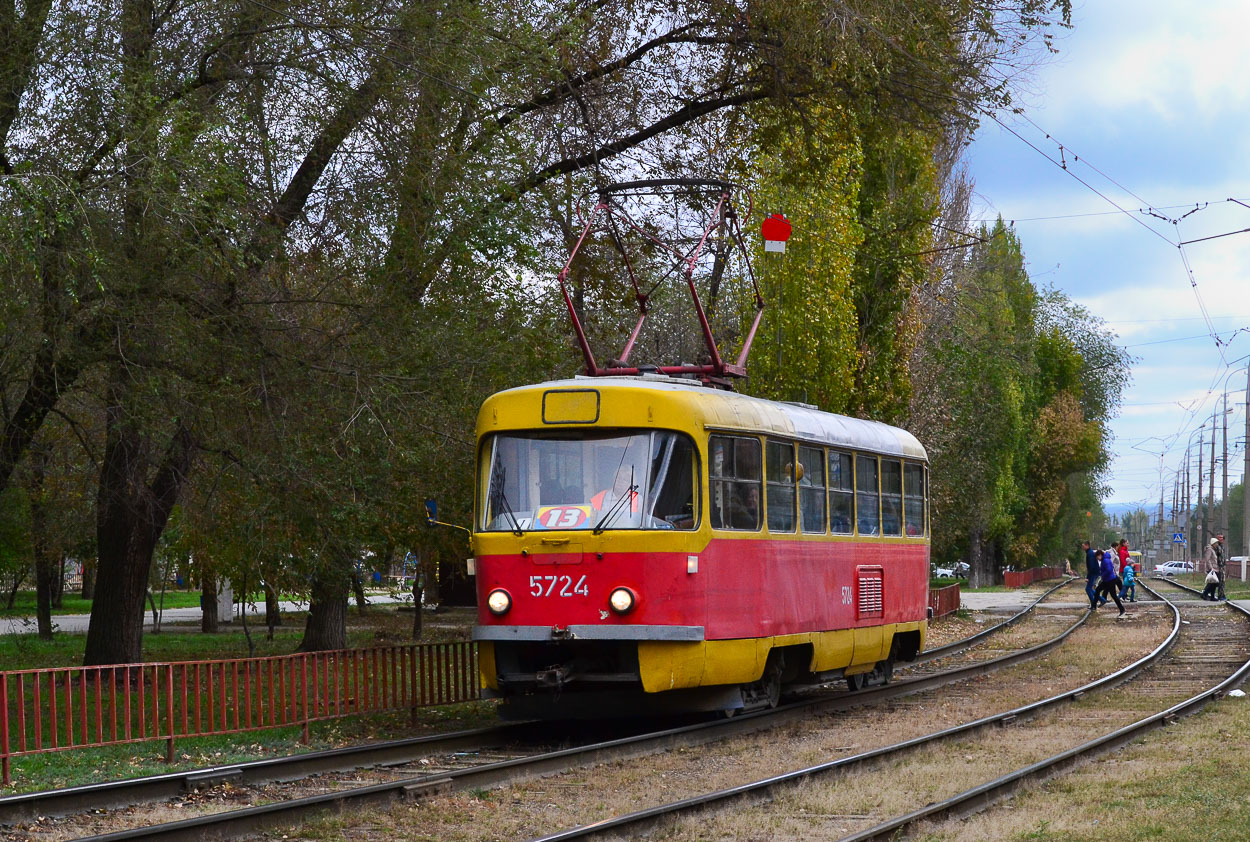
{"points": [[841, 494], [780, 470], [891, 497], [671, 484], [812, 489], [734, 482], [867, 500], [913, 499]]}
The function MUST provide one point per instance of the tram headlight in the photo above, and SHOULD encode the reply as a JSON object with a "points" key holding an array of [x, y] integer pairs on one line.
{"points": [[498, 601], [622, 600]]}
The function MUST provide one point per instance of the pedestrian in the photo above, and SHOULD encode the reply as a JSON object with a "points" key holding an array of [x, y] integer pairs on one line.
{"points": [[1216, 561], [1122, 552], [1091, 575], [1129, 576], [1110, 585], [1213, 582]]}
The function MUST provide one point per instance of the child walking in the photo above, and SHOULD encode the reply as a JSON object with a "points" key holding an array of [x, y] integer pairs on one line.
{"points": [[1129, 577]]}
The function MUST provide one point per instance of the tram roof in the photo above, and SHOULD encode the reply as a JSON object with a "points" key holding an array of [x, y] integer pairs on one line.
{"points": [[717, 409]]}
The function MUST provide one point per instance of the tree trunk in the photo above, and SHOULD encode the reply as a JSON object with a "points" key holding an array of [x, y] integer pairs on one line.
{"points": [[326, 627], [358, 587], [980, 562], [88, 579], [18, 578], [273, 612], [39, 542], [209, 621], [130, 515], [58, 583], [418, 592]]}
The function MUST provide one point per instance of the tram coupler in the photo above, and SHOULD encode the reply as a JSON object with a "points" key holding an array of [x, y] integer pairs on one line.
{"points": [[556, 677]]}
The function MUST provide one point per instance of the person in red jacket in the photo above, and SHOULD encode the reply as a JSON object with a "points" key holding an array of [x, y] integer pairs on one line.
{"points": [[1122, 552]]}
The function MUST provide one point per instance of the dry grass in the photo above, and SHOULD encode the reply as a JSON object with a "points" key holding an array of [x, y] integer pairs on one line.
{"points": [[1185, 783], [531, 809]]}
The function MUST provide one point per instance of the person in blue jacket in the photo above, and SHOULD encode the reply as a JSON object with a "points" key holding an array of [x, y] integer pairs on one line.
{"points": [[1091, 575], [1129, 577], [1110, 585]]}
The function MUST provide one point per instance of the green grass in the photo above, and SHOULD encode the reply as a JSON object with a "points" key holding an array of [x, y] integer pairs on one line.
{"points": [[24, 604], [81, 766], [381, 625]]}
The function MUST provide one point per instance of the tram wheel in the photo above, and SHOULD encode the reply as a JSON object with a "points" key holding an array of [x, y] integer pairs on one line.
{"points": [[855, 682]]}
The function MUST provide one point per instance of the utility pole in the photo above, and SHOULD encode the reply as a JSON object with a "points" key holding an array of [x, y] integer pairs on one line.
{"points": [[1176, 498], [1201, 513], [1245, 478], [1224, 500], [1161, 530], [1208, 522], [1185, 505]]}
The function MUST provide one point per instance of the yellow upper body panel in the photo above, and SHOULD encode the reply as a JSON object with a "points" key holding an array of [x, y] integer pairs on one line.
{"points": [[668, 403]]}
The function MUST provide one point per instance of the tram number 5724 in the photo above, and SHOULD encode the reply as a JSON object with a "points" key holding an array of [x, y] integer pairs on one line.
{"points": [[558, 586], [848, 595]]}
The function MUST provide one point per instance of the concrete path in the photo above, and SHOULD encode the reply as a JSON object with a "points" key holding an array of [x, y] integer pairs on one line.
{"points": [[77, 623], [1014, 601]]}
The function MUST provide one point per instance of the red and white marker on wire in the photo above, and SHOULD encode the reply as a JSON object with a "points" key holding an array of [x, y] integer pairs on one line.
{"points": [[776, 230]]}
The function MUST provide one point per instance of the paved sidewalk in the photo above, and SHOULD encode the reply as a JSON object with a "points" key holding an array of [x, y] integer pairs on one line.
{"points": [[1014, 601], [78, 623]]}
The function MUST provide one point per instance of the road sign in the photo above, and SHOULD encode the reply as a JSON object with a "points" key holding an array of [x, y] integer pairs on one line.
{"points": [[1178, 537]]}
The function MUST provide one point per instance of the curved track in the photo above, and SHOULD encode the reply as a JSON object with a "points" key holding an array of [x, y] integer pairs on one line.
{"points": [[470, 747], [1195, 655]]}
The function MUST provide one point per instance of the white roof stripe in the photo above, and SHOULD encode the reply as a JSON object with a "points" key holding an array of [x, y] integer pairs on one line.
{"points": [[731, 411]]}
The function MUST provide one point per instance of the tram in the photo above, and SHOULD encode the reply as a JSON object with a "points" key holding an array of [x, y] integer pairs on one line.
{"points": [[650, 544], [647, 540]]}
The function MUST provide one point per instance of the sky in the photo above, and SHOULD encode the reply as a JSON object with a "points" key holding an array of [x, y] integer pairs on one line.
{"points": [[1150, 103]]}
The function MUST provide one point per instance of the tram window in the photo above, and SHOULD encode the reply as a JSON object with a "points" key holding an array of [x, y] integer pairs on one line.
{"points": [[891, 497], [867, 499], [812, 489], [672, 481], [780, 470], [913, 499], [569, 480], [734, 482], [841, 493]]}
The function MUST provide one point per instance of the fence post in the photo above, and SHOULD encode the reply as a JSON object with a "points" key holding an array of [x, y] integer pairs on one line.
{"points": [[5, 769], [169, 712]]}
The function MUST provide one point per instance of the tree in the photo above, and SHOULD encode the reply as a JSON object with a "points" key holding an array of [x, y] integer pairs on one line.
{"points": [[204, 197]]}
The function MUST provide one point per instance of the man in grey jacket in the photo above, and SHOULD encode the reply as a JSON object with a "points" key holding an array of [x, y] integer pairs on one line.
{"points": [[1216, 561]]}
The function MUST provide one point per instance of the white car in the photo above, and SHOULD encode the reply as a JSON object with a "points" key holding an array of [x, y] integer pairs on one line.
{"points": [[1171, 568], [943, 573]]}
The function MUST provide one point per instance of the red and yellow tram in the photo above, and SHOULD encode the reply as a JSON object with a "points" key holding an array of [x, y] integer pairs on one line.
{"points": [[647, 544]]}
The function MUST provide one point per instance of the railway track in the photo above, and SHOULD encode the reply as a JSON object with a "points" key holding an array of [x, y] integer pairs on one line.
{"points": [[1206, 655], [472, 759]]}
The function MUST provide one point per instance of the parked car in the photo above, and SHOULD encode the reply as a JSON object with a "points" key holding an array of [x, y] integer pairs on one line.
{"points": [[1171, 568], [943, 573]]}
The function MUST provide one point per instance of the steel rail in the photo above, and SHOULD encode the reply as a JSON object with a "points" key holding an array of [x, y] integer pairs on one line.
{"points": [[990, 793], [236, 822], [642, 820], [59, 802], [114, 794], [967, 642]]}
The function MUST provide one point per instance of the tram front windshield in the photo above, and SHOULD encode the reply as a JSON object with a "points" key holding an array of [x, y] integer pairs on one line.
{"points": [[641, 479]]}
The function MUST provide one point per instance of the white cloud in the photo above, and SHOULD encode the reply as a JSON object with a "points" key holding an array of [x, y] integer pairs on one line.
{"points": [[1171, 59]]}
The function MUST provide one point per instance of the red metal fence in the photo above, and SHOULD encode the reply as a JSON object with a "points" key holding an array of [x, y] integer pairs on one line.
{"points": [[66, 708], [1020, 578], [944, 601]]}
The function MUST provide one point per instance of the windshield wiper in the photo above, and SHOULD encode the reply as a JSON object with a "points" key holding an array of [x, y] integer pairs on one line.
{"points": [[507, 510], [500, 500], [628, 497]]}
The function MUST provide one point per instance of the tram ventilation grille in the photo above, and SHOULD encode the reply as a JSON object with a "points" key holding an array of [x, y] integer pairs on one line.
{"points": [[871, 602]]}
